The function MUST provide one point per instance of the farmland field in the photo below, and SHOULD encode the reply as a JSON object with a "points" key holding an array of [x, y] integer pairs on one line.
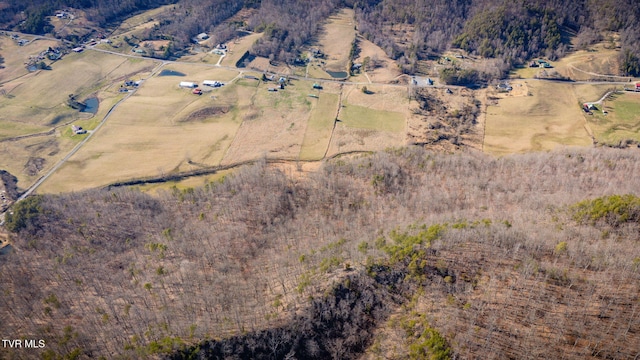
{"points": [[318, 132], [622, 121], [273, 124], [15, 56], [336, 40], [238, 48], [188, 130], [550, 117]]}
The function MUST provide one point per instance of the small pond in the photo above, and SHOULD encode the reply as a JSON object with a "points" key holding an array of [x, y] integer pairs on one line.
{"points": [[91, 105], [338, 74], [166, 72]]}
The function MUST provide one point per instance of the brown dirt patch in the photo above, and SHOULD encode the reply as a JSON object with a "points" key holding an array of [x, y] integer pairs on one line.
{"points": [[205, 113]]}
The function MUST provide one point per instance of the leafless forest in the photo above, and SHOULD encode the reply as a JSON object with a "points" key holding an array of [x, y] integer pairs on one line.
{"points": [[489, 258]]}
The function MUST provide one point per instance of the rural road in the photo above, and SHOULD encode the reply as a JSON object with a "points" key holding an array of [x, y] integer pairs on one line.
{"points": [[72, 152], [42, 179]]}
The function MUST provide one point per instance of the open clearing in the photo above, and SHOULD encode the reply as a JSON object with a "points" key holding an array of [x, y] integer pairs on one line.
{"points": [[381, 68], [238, 47], [550, 117], [37, 103], [336, 39], [622, 121], [80, 74], [318, 132], [597, 63], [157, 120], [15, 56], [274, 124]]}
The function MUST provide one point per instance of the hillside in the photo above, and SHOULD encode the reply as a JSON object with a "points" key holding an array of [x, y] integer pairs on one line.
{"points": [[408, 31], [457, 256]]}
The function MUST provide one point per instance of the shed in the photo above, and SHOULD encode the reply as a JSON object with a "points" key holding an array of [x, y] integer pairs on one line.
{"points": [[188, 84], [637, 86], [197, 91], [202, 36], [212, 83]]}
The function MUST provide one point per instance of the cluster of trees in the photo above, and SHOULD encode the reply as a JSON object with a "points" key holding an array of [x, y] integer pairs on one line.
{"points": [[288, 25], [31, 15], [408, 31], [514, 31], [121, 272]]}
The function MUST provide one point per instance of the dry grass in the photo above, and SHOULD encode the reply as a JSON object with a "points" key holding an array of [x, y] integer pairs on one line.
{"points": [[238, 48], [16, 56], [336, 39], [386, 68], [27, 159], [622, 121], [550, 117], [41, 96], [318, 132], [37, 103], [274, 124], [145, 19], [156, 120], [347, 139], [599, 62], [379, 97], [203, 57]]}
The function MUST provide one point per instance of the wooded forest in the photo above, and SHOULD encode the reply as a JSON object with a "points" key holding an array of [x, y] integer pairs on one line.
{"points": [[408, 31], [463, 256]]}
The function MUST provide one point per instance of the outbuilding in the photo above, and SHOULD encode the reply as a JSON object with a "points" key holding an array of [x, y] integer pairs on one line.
{"points": [[188, 84], [212, 83]]}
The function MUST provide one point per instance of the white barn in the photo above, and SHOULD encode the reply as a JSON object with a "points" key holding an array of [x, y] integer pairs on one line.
{"points": [[188, 84]]}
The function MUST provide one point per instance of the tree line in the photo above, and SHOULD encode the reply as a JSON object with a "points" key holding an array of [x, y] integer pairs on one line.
{"points": [[408, 31]]}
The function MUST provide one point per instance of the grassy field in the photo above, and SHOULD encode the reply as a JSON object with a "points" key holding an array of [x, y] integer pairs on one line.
{"points": [[336, 39], [238, 48], [550, 117], [16, 56], [318, 132], [385, 69], [622, 121], [36, 103], [189, 131], [599, 62], [355, 116], [141, 19], [273, 124], [81, 74]]}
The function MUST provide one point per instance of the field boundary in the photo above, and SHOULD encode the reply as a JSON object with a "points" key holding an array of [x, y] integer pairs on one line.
{"points": [[335, 121], [214, 169]]}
